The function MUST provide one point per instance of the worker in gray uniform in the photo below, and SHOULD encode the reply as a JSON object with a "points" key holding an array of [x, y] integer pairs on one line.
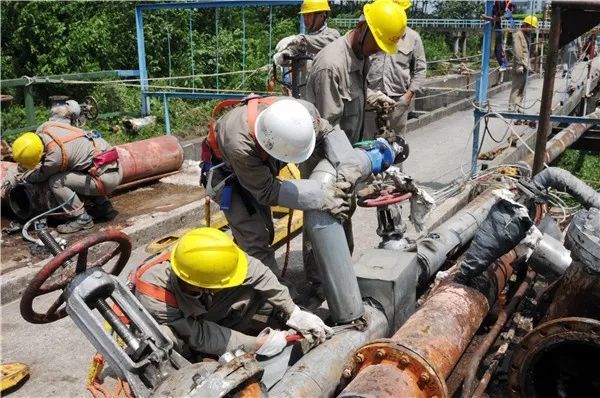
{"points": [[521, 63], [399, 76], [70, 161], [317, 36], [211, 297], [250, 144], [336, 85]]}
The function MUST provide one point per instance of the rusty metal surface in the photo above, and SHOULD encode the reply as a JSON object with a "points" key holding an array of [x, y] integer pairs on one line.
{"points": [[53, 277], [385, 381], [577, 294], [146, 158], [8, 171], [564, 139], [538, 348]]}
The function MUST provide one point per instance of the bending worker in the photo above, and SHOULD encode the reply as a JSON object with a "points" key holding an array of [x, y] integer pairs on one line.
{"points": [[70, 161], [250, 144], [521, 64], [209, 293], [314, 14], [336, 85], [399, 76]]}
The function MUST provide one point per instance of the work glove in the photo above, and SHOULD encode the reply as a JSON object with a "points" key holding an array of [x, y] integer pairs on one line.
{"points": [[349, 173], [281, 58], [271, 342], [336, 200], [309, 325], [520, 69], [380, 100], [288, 43]]}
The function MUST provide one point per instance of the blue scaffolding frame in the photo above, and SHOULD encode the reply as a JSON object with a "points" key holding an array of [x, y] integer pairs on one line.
{"points": [[481, 97], [139, 25]]}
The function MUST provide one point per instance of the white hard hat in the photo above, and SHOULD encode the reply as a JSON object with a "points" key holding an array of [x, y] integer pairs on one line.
{"points": [[285, 130]]}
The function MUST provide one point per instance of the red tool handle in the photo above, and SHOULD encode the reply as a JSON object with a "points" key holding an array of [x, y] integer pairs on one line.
{"points": [[387, 198], [293, 338]]}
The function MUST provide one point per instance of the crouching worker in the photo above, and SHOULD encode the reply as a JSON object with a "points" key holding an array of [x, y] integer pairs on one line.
{"points": [[248, 146], [70, 160], [211, 296]]}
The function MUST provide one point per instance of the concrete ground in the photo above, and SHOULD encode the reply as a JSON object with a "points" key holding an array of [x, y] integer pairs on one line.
{"points": [[60, 356]]}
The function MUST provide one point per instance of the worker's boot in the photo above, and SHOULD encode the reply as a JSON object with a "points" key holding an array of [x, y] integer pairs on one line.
{"points": [[80, 223], [102, 209]]}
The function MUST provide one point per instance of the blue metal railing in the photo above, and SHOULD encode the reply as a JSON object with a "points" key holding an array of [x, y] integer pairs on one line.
{"points": [[435, 23]]}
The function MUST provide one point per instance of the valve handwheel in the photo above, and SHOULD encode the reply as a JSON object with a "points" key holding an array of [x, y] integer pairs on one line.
{"points": [[41, 284]]}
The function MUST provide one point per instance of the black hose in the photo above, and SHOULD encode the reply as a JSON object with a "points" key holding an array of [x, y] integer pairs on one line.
{"points": [[554, 177]]}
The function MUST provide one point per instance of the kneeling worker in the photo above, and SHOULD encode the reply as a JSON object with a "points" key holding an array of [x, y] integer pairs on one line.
{"points": [[208, 291], [70, 160]]}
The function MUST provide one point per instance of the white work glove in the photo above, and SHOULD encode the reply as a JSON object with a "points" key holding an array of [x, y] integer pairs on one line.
{"points": [[337, 200], [288, 43], [350, 173], [311, 326], [380, 100], [271, 341], [281, 58], [520, 69]]}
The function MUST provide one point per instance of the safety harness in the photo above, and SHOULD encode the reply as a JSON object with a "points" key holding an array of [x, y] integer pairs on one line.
{"points": [[252, 102], [149, 289], [99, 159]]}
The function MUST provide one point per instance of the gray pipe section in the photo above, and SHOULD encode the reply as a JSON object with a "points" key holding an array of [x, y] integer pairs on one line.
{"points": [[333, 257], [443, 241], [554, 177], [318, 373]]}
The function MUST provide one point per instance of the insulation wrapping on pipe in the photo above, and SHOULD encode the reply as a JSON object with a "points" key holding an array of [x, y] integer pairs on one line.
{"points": [[154, 156], [333, 256], [554, 177], [317, 374]]}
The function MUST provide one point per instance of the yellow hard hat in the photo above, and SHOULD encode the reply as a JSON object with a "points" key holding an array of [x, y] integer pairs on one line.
{"points": [[28, 150], [208, 258], [387, 21], [531, 20], [309, 6], [405, 4]]}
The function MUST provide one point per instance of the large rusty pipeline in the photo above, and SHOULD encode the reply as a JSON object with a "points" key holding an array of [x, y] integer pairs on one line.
{"points": [[564, 139], [419, 357], [8, 171], [151, 157]]}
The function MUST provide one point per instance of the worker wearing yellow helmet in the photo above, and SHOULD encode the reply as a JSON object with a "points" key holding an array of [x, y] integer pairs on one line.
{"points": [[396, 78], [317, 35], [521, 62], [210, 296]]}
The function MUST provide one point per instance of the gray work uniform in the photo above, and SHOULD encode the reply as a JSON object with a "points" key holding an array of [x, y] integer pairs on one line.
{"points": [[519, 79], [256, 187], [336, 86], [76, 178], [394, 75], [315, 42], [215, 323]]}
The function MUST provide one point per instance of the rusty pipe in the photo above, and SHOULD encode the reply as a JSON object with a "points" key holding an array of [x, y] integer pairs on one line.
{"points": [[564, 139], [8, 172], [151, 157], [425, 350], [485, 345]]}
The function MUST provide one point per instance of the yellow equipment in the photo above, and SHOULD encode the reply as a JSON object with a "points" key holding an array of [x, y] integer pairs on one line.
{"points": [[208, 258], [531, 20], [13, 373], [28, 150], [309, 6], [387, 21]]}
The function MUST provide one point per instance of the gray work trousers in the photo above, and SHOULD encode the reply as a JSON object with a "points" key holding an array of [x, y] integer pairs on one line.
{"points": [[252, 227], [517, 91], [62, 186]]}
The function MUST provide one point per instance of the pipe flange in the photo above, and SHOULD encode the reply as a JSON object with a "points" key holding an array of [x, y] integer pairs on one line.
{"points": [[540, 341], [389, 352]]}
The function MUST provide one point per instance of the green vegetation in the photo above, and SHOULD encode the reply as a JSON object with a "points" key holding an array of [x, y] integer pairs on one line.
{"points": [[583, 164]]}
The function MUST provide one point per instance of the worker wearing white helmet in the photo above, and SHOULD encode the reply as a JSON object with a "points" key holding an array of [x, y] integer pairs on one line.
{"points": [[317, 36], [211, 298], [250, 144], [521, 62]]}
